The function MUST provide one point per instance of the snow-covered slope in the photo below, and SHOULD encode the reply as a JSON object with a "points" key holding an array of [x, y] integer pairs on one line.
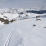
{"points": [[23, 33], [29, 29]]}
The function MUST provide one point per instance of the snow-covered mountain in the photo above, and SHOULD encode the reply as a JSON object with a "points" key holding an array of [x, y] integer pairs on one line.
{"points": [[26, 29], [9, 15]]}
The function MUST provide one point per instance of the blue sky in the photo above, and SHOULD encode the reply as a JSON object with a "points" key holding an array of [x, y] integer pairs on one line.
{"points": [[22, 3]]}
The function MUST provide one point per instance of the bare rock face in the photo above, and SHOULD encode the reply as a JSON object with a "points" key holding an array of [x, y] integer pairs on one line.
{"points": [[12, 20], [44, 27], [37, 16], [6, 21], [34, 25], [38, 19], [4, 16]]}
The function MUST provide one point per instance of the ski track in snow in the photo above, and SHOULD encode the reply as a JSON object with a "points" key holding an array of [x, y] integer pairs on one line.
{"points": [[17, 38], [8, 39]]}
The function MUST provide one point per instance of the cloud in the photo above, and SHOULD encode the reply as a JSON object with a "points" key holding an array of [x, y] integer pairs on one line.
{"points": [[2, 1], [22, 3]]}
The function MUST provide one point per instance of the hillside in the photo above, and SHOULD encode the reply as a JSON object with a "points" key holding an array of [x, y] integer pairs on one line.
{"points": [[29, 29]]}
